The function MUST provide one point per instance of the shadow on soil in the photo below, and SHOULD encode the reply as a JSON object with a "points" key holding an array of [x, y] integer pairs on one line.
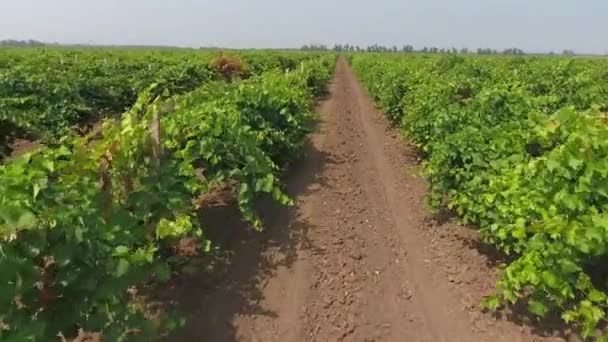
{"points": [[226, 285], [549, 326], [8, 135]]}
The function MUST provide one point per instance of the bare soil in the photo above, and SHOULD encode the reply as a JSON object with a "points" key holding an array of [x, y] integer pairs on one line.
{"points": [[23, 146], [358, 258]]}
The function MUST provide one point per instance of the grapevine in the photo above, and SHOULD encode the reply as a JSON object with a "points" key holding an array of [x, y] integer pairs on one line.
{"points": [[516, 146]]}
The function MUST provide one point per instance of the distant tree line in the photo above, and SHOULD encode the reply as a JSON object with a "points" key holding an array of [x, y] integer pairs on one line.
{"points": [[29, 42], [320, 47], [411, 49], [37, 43]]}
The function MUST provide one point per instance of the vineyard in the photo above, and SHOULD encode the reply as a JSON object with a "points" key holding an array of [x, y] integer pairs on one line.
{"points": [[46, 93], [108, 202], [127, 148], [517, 147]]}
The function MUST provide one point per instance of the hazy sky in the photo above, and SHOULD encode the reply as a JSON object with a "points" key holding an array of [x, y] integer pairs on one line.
{"points": [[533, 25]]}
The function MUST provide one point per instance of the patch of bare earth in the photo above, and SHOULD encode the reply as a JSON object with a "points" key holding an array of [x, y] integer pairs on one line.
{"points": [[23, 146]]}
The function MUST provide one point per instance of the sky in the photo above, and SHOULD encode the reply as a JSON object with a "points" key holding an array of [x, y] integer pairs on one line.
{"points": [[532, 25]]}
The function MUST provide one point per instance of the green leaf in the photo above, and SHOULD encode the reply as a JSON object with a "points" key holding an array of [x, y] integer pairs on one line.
{"points": [[26, 220], [36, 190], [18, 218], [538, 308], [121, 250], [49, 165], [79, 234], [122, 268], [490, 198], [550, 279], [575, 163], [570, 316], [596, 296], [519, 233], [491, 303]]}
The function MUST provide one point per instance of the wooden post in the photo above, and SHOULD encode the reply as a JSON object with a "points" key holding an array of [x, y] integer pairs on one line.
{"points": [[156, 139]]}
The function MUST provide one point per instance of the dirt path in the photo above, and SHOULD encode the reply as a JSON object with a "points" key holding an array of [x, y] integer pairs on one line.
{"points": [[356, 259]]}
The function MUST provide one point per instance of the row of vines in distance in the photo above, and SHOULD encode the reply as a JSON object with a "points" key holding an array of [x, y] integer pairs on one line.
{"points": [[46, 93]]}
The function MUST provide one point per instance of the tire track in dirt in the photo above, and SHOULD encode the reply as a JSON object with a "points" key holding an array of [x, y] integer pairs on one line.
{"points": [[356, 259]]}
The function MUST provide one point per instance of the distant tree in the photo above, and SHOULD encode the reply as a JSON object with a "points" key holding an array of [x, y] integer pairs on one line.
{"points": [[29, 42], [425, 49], [378, 48], [481, 51], [407, 48], [464, 50], [513, 51], [433, 50], [313, 47], [568, 52]]}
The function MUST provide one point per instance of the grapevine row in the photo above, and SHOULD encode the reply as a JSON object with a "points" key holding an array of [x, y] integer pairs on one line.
{"points": [[87, 222], [518, 147], [44, 93]]}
